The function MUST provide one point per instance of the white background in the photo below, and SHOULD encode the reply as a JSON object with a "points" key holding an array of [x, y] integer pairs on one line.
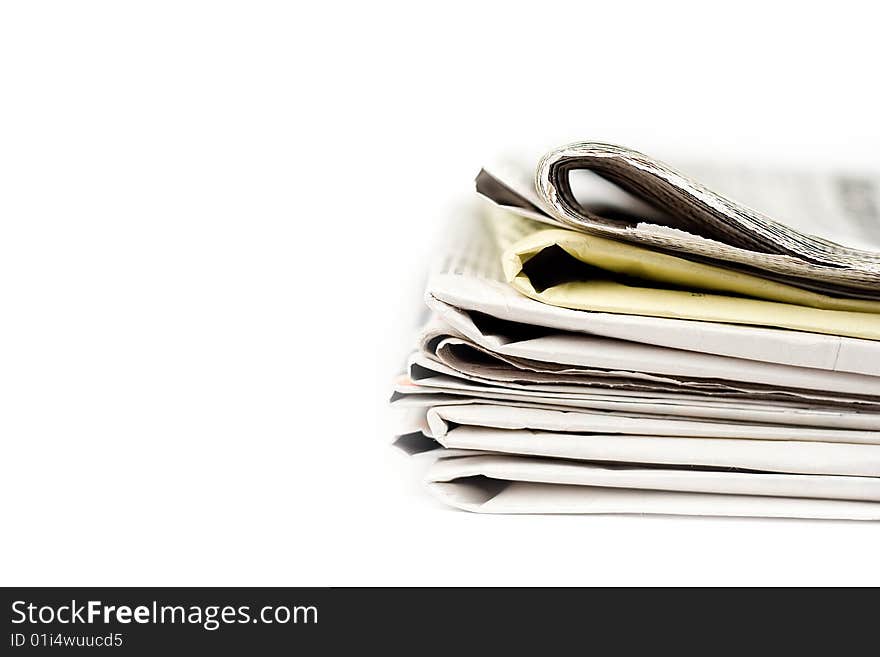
{"points": [[215, 217]]}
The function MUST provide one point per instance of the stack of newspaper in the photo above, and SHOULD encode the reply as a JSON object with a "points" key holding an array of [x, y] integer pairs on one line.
{"points": [[608, 335]]}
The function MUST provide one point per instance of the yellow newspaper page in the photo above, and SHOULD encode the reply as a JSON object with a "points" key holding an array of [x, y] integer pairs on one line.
{"points": [[586, 272]]}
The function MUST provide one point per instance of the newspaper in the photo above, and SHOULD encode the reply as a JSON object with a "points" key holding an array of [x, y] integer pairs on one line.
{"points": [[584, 272], [687, 217], [468, 276], [631, 439], [553, 471], [505, 484], [802, 457], [423, 369], [497, 350], [436, 420], [410, 395], [641, 349]]}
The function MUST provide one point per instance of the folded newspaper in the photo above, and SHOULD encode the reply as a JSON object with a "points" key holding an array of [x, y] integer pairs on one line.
{"points": [[610, 336]]}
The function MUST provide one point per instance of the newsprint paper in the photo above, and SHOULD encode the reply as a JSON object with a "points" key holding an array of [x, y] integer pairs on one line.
{"points": [[647, 345]]}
